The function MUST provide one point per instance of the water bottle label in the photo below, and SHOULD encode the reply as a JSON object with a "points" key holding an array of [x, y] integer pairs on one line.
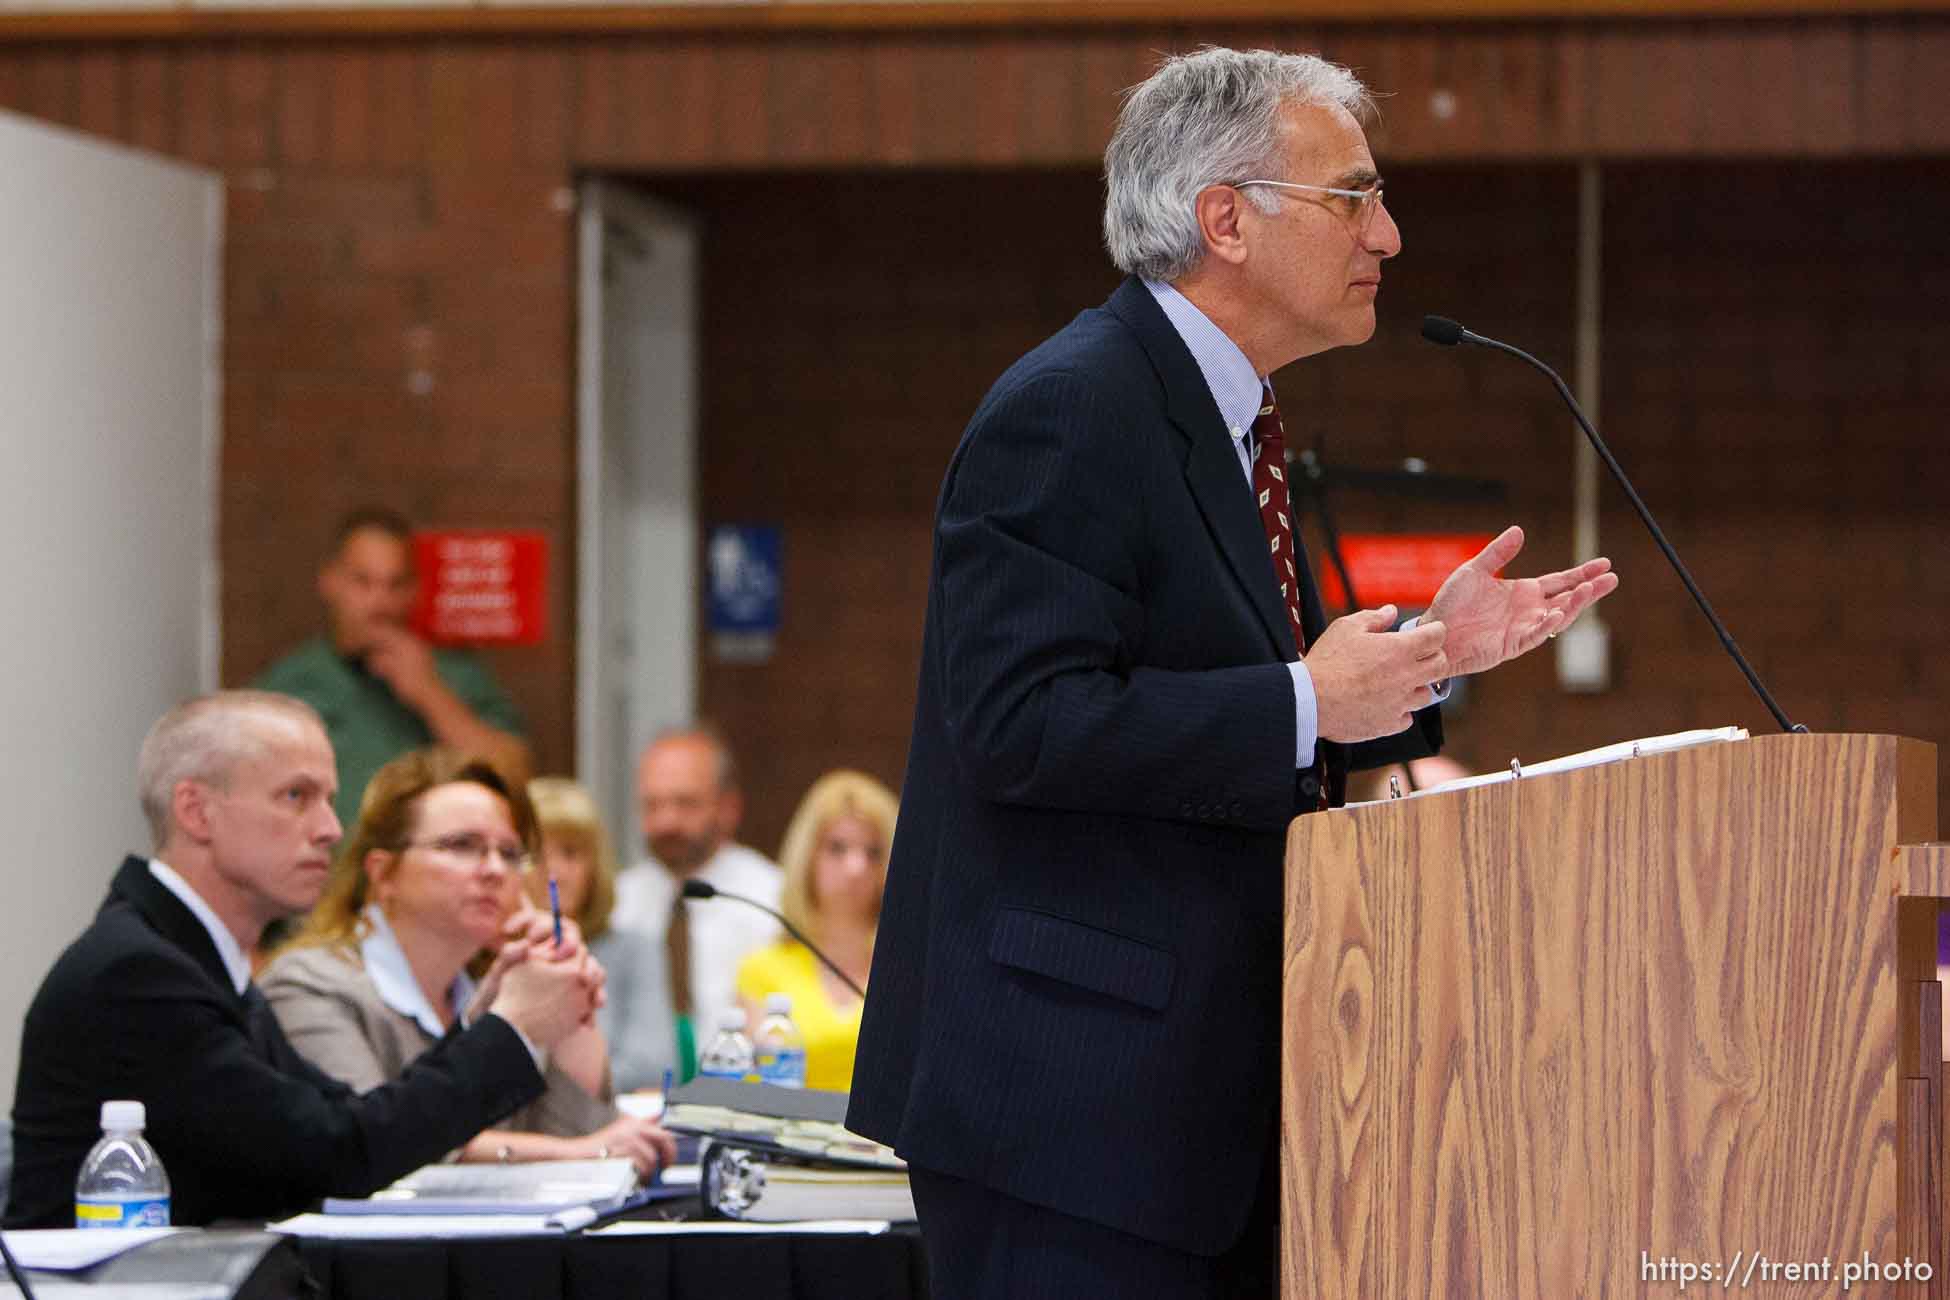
{"points": [[122, 1214], [785, 1066]]}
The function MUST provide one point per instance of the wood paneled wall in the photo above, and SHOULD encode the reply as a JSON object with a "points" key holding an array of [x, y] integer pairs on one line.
{"points": [[1766, 87], [400, 283]]}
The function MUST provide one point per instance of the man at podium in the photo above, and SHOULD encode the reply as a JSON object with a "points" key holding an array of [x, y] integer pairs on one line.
{"points": [[1128, 689]]}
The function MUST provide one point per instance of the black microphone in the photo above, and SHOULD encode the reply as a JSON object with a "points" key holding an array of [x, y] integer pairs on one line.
{"points": [[1440, 329], [704, 889]]}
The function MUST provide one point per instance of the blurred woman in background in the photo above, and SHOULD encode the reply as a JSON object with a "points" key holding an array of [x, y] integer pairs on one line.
{"points": [[420, 896], [835, 862], [637, 1021]]}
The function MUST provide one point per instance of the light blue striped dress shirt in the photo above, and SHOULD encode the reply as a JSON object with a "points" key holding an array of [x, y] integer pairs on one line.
{"points": [[1236, 387]]}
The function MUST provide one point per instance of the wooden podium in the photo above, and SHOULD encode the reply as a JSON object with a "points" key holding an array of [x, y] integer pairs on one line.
{"points": [[1551, 1037]]}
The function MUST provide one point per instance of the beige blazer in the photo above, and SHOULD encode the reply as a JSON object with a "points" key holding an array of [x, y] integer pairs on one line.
{"points": [[330, 1010]]}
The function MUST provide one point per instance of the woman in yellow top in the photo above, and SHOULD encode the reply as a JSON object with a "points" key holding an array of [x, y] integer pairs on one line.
{"points": [[835, 863]]}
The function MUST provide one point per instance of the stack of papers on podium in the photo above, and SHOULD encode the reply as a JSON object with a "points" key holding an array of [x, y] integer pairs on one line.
{"points": [[1618, 753]]}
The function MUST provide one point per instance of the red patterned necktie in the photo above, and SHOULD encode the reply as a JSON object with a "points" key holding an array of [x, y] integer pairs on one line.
{"points": [[1276, 517], [1275, 513]]}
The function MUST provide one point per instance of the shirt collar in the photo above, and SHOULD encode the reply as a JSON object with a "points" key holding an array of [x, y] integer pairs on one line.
{"points": [[720, 868], [392, 976], [1236, 387], [229, 951]]}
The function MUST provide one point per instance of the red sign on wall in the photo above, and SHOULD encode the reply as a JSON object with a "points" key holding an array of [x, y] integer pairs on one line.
{"points": [[481, 588], [1395, 568]]}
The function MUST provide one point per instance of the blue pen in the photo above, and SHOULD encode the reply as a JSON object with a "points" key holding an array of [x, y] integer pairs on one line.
{"points": [[555, 906]]}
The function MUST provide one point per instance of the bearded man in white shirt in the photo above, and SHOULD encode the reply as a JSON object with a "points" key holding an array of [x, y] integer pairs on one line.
{"points": [[690, 803]]}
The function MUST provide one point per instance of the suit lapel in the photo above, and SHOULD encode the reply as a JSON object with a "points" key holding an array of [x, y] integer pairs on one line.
{"points": [[166, 915], [1211, 466]]}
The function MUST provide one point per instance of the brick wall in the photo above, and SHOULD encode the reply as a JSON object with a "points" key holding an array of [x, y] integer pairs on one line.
{"points": [[845, 346], [901, 214], [1771, 381]]}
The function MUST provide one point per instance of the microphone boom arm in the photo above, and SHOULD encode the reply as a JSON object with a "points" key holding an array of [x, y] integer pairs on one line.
{"points": [[1438, 330], [703, 889]]}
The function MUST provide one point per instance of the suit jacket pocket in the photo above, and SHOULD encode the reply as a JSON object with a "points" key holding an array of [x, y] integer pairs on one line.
{"points": [[1098, 960]]}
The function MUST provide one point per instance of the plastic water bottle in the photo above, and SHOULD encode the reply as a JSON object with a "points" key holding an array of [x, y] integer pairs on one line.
{"points": [[729, 1055], [122, 1183], [780, 1047]]}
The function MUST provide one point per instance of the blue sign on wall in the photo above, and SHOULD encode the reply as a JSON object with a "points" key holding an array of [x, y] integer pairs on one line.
{"points": [[742, 585]]}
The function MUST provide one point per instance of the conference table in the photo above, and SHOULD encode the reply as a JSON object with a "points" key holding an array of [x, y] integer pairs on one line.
{"points": [[262, 1266], [773, 1266]]}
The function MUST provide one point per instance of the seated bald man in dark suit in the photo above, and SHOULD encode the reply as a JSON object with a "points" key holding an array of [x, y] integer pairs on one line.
{"points": [[153, 1003]]}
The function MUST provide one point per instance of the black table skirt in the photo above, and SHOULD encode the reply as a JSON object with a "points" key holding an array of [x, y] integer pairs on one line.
{"points": [[806, 1267]]}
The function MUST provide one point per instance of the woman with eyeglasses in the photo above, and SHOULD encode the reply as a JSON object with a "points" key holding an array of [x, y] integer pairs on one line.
{"points": [[423, 892]]}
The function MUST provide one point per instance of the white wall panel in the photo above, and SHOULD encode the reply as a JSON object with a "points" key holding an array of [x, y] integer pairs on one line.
{"points": [[109, 341]]}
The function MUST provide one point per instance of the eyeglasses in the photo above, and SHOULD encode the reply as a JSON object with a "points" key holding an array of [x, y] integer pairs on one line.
{"points": [[473, 849], [1356, 207]]}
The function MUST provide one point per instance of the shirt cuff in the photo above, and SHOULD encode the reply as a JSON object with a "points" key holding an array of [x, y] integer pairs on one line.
{"points": [[1438, 689], [1306, 716]]}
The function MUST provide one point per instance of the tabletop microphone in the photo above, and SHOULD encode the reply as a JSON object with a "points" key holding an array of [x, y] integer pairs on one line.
{"points": [[703, 889], [1442, 330]]}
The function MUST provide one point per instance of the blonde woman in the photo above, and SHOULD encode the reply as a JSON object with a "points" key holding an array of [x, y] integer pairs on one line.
{"points": [[421, 892], [835, 862], [637, 1021]]}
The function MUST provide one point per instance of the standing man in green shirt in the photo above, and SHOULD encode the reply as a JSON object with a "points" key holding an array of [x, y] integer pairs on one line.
{"points": [[381, 689]]}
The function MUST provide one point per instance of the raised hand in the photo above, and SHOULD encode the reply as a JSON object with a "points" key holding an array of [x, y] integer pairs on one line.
{"points": [[1491, 619], [549, 998], [530, 924]]}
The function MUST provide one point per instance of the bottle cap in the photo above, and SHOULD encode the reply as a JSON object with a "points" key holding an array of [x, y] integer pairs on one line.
{"points": [[123, 1115], [778, 1004], [732, 1018]]}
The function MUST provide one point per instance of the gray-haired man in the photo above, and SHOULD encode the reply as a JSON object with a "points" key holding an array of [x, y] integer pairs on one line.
{"points": [[1128, 689]]}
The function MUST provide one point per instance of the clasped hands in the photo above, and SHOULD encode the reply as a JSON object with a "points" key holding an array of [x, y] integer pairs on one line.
{"points": [[1368, 680], [550, 992], [544, 989]]}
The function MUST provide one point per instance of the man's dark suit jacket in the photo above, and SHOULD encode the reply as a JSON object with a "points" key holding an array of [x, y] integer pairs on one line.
{"points": [[1076, 985], [140, 1007]]}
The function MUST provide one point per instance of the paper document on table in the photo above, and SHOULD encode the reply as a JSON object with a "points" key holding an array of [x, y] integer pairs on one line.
{"points": [[731, 1228], [1618, 753], [372, 1226], [536, 1187], [69, 1250]]}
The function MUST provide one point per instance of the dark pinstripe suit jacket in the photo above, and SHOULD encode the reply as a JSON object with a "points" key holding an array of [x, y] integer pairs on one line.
{"points": [[1075, 992]]}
